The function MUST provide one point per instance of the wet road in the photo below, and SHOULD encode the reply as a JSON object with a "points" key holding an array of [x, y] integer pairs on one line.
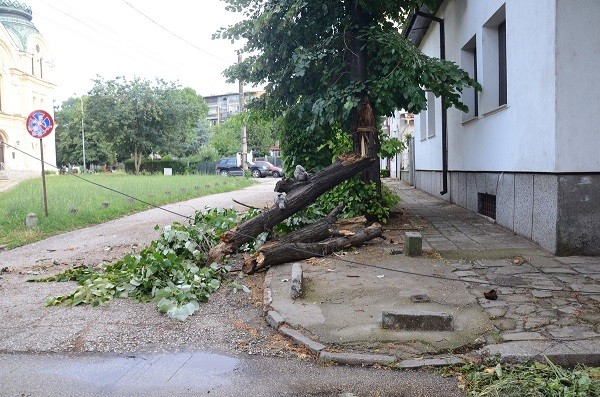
{"points": [[201, 373]]}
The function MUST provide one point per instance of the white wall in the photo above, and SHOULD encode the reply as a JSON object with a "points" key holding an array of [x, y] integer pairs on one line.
{"points": [[578, 86], [521, 135]]}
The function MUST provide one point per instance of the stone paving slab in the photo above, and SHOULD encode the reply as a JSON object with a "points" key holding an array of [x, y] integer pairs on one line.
{"points": [[543, 305]]}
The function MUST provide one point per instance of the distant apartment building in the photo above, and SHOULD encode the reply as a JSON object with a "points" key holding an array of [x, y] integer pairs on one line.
{"points": [[222, 107]]}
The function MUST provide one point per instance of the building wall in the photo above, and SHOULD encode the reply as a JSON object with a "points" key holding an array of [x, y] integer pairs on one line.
{"points": [[578, 86], [538, 154], [398, 126], [24, 87], [519, 136]]}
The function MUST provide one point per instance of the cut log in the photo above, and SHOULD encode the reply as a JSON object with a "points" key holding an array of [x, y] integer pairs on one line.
{"points": [[276, 253], [317, 231], [298, 196]]}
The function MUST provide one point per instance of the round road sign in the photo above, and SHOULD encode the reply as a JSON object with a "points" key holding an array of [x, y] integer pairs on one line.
{"points": [[39, 124]]}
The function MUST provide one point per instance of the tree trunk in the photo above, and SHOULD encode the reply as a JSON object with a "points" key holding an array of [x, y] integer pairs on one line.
{"points": [[137, 160], [276, 252], [298, 197], [363, 125], [317, 231]]}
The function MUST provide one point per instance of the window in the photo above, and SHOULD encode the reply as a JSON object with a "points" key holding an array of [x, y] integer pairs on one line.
{"points": [[502, 63], [494, 63], [469, 64], [423, 125], [430, 114]]}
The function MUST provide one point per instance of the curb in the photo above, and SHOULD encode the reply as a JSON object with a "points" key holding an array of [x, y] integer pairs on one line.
{"points": [[277, 321], [566, 353]]}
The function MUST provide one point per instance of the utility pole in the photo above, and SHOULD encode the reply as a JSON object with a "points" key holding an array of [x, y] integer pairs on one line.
{"points": [[244, 138], [82, 134]]}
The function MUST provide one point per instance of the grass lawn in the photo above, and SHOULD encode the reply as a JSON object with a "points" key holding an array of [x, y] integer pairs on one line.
{"points": [[74, 203]]}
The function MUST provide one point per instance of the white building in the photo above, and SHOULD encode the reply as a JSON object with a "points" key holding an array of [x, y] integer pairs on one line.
{"points": [[221, 107], [528, 152], [399, 126], [26, 69]]}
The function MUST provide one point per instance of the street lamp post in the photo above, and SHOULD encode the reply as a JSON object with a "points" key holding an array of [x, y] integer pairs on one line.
{"points": [[82, 134]]}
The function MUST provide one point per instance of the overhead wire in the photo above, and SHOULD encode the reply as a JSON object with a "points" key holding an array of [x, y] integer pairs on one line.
{"points": [[123, 44], [117, 45], [171, 32], [341, 259]]}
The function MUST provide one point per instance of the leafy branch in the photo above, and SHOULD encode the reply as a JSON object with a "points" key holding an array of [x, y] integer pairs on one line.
{"points": [[167, 272]]}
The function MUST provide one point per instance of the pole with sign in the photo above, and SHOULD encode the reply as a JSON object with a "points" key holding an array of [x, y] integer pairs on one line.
{"points": [[39, 124]]}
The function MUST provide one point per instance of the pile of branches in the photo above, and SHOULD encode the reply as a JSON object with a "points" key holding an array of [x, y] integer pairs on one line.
{"points": [[323, 237]]}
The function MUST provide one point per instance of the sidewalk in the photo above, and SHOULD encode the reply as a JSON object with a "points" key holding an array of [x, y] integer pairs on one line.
{"points": [[545, 305]]}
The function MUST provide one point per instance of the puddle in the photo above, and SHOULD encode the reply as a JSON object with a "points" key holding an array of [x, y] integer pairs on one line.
{"points": [[149, 370]]}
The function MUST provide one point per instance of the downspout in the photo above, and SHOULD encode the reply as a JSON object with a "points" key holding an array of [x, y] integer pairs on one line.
{"points": [[444, 110]]}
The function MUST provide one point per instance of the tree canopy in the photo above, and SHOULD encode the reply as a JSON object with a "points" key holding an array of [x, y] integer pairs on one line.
{"points": [[130, 119], [324, 62]]}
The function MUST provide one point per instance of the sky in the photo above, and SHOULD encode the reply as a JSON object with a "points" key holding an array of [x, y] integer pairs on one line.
{"points": [[136, 38]]}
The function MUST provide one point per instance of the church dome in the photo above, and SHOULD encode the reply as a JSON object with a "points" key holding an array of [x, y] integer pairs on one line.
{"points": [[16, 17]]}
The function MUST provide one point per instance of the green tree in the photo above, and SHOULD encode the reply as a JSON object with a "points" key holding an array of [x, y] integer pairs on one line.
{"points": [[183, 118], [336, 64], [260, 132], [137, 117], [69, 139]]}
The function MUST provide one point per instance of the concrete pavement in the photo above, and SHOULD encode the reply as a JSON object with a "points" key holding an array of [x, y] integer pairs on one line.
{"points": [[544, 305]]}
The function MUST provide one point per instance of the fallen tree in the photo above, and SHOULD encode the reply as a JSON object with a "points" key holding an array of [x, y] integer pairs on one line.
{"points": [[277, 252], [295, 195]]}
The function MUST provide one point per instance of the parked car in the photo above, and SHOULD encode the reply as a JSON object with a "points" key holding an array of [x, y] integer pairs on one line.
{"points": [[261, 169], [228, 166]]}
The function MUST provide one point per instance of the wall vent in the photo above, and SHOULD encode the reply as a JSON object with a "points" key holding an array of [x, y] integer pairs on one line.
{"points": [[486, 205]]}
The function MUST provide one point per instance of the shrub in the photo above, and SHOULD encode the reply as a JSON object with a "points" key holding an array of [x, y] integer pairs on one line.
{"points": [[359, 199]]}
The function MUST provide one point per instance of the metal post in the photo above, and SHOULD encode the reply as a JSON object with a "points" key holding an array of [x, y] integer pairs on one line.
{"points": [[43, 178], [244, 137], [82, 134]]}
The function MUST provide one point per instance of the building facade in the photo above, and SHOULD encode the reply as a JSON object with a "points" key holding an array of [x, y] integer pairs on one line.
{"points": [[222, 107], [526, 153], [26, 72], [400, 126]]}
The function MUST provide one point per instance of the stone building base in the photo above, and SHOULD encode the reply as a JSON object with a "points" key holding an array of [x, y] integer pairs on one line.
{"points": [[561, 212]]}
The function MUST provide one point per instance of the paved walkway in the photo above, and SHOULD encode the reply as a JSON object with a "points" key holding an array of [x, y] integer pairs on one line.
{"points": [[543, 305]]}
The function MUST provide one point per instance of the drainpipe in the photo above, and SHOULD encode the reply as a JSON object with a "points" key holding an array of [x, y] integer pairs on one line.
{"points": [[444, 110]]}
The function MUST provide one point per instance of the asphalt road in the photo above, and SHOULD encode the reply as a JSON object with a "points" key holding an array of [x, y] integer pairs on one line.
{"points": [[201, 373]]}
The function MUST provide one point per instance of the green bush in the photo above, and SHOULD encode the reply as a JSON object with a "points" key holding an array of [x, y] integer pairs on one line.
{"points": [[359, 199], [385, 173], [179, 167]]}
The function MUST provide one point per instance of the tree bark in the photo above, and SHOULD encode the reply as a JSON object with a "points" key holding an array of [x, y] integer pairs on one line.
{"points": [[276, 253], [363, 125], [297, 198], [317, 231]]}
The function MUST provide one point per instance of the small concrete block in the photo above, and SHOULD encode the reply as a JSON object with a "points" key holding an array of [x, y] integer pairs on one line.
{"points": [[299, 338], [296, 285], [413, 243], [431, 362], [31, 220], [274, 319], [417, 320], [357, 359]]}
